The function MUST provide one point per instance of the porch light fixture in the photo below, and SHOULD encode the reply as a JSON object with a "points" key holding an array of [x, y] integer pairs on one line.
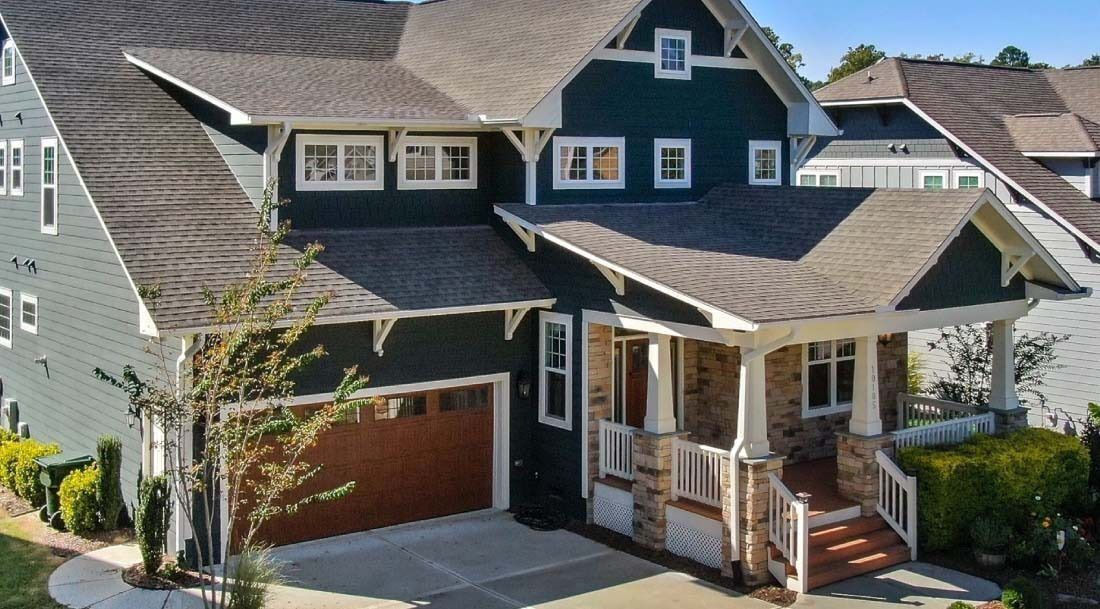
{"points": [[523, 385], [885, 339]]}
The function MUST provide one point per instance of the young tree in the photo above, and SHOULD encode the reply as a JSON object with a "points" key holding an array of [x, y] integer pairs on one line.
{"points": [[1012, 57], [255, 447], [793, 59], [969, 351], [856, 59], [1091, 61]]}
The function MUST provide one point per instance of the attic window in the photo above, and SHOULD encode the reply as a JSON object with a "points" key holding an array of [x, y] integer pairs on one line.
{"points": [[9, 63], [672, 53], [765, 159], [933, 180], [340, 162]]}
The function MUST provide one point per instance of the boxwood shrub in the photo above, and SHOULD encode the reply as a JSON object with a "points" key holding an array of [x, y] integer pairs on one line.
{"points": [[998, 475], [79, 506], [19, 472]]}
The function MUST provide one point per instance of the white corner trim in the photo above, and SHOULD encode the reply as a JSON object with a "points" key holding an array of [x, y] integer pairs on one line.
{"points": [[341, 142], [659, 36], [585, 482], [236, 116], [659, 145], [547, 317]]}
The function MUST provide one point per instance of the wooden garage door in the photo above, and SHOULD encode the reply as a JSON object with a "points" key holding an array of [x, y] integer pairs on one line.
{"points": [[412, 457]]}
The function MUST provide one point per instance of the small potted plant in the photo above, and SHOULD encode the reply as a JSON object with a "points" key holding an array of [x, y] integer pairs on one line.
{"points": [[992, 538]]}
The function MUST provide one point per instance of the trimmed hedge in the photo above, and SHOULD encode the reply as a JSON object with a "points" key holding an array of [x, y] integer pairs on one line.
{"points": [[999, 475], [79, 507], [19, 472]]}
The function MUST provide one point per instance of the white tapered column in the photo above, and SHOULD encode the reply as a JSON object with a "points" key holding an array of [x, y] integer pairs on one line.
{"points": [[866, 411], [1002, 387], [752, 414], [660, 414]]}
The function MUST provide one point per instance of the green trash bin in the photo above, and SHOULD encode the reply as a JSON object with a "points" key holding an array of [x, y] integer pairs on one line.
{"points": [[54, 470]]}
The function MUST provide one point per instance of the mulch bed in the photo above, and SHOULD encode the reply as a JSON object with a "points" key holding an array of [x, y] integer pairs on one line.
{"points": [[14, 505], [772, 594], [60, 543], [1084, 585], [136, 577]]}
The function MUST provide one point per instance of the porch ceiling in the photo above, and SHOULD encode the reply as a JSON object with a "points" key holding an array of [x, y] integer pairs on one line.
{"points": [[771, 254]]}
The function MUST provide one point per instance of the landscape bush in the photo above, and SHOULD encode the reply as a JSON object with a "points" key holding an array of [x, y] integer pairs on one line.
{"points": [[8, 436], [151, 519], [79, 505], [19, 472], [1022, 593], [994, 475], [109, 484]]}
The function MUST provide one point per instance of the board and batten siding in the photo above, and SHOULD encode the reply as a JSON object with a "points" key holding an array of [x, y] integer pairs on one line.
{"points": [[88, 311]]}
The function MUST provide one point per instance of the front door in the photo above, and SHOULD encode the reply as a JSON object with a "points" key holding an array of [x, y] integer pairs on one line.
{"points": [[636, 381]]}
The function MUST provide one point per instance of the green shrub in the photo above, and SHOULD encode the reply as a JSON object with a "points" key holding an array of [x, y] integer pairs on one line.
{"points": [[79, 507], [8, 436], [991, 535], [960, 605], [255, 573], [151, 521], [109, 487], [994, 475], [1022, 593], [19, 472]]}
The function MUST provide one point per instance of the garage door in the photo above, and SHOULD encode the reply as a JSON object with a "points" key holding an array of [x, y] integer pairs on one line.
{"points": [[412, 456]]}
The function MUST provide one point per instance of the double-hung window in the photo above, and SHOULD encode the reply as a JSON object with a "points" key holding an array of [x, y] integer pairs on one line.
{"points": [[555, 369], [589, 162], [340, 162], [672, 54], [8, 63], [3, 167], [437, 163], [765, 162], [28, 313], [49, 186], [828, 377], [968, 180], [671, 163], [933, 179], [15, 152], [5, 317]]}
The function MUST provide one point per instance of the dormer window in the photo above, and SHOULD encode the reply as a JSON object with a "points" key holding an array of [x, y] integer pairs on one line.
{"points": [[340, 162], [9, 63], [672, 54]]}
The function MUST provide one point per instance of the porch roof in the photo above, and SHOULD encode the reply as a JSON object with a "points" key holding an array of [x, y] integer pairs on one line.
{"points": [[777, 254]]}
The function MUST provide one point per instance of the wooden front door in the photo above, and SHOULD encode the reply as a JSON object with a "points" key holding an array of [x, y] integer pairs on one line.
{"points": [[412, 457], [636, 383]]}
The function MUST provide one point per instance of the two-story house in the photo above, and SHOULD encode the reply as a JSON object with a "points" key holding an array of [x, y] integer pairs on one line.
{"points": [[561, 239], [1032, 137]]}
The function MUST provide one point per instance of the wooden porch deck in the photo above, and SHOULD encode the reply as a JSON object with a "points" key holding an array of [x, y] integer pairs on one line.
{"points": [[818, 479]]}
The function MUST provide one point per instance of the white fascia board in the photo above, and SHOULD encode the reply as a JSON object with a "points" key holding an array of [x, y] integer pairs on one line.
{"points": [[1061, 155], [863, 102], [1035, 291], [719, 318], [639, 323], [236, 115], [338, 122], [545, 303], [146, 324]]}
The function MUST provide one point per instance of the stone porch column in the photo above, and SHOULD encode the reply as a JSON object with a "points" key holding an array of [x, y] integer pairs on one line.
{"points": [[1003, 400], [599, 398], [652, 486], [754, 489], [857, 469]]}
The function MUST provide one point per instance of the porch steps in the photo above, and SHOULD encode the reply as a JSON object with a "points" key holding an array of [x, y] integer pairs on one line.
{"points": [[850, 548]]}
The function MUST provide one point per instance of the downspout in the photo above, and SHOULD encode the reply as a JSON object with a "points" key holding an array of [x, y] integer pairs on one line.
{"points": [[189, 346], [277, 138]]}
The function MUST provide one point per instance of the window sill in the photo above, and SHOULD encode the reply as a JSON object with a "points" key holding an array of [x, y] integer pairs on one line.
{"points": [[555, 422], [436, 186], [765, 183], [813, 413], [672, 185], [338, 186], [589, 185]]}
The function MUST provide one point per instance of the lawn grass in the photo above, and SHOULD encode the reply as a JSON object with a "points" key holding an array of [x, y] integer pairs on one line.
{"points": [[26, 568]]}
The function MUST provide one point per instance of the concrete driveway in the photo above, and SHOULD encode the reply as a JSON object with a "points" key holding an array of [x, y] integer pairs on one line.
{"points": [[483, 561]]}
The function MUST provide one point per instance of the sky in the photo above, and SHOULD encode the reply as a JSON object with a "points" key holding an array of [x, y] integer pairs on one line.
{"points": [[1058, 32]]}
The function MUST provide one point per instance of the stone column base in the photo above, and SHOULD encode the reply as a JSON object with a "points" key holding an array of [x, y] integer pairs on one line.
{"points": [[725, 481], [652, 486], [754, 491], [857, 469], [1010, 420]]}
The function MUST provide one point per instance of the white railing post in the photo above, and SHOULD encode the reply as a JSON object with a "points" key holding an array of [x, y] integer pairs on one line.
{"points": [[897, 500], [676, 470], [918, 410], [953, 431], [789, 530]]}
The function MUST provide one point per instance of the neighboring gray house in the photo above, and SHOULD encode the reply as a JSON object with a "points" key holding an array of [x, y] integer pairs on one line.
{"points": [[1032, 137]]}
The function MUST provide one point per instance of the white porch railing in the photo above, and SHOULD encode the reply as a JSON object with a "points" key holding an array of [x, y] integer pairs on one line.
{"points": [[789, 530], [697, 472], [897, 500], [616, 450], [947, 432], [919, 410]]}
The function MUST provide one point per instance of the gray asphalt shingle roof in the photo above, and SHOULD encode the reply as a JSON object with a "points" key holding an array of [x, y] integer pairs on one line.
{"points": [[978, 104], [770, 254]]}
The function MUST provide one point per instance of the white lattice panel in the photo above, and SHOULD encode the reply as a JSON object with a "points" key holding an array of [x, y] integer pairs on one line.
{"points": [[614, 516], [688, 542]]}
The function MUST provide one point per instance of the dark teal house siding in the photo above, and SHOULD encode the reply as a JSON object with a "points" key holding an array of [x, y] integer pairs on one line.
{"points": [[720, 110], [706, 33], [968, 273]]}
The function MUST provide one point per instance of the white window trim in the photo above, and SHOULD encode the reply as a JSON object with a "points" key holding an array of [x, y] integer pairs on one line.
{"points": [[662, 33], [4, 167], [943, 173], [48, 143], [775, 145], [23, 300], [817, 173], [6, 342], [834, 408], [967, 173], [303, 140], [660, 143], [566, 320], [589, 183], [9, 45], [439, 183], [13, 145]]}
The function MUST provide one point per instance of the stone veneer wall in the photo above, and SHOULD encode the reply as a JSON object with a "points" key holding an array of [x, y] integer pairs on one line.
{"points": [[599, 397], [711, 377]]}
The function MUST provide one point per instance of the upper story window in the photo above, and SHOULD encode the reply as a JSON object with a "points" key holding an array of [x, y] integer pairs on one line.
{"points": [[672, 163], [49, 186], [968, 180], [437, 162], [16, 162], [596, 162], [9, 63], [28, 313], [765, 158], [556, 365], [933, 179], [819, 178], [340, 162], [672, 53], [828, 373], [5, 317]]}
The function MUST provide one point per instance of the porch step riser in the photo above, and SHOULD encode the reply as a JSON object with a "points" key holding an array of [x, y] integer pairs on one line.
{"points": [[823, 537], [887, 557], [834, 517], [860, 545]]}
